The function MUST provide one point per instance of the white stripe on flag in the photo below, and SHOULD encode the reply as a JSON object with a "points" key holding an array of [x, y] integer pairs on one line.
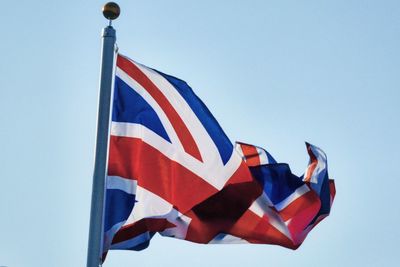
{"points": [[227, 239], [216, 177], [208, 149], [130, 243], [150, 205], [292, 197], [261, 206], [126, 185], [319, 173], [239, 149], [263, 156], [150, 100]]}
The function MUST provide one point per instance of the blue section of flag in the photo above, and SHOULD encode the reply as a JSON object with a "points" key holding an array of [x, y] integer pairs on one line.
{"points": [[271, 159], [118, 207], [145, 242], [277, 180], [129, 106], [212, 127], [325, 197]]}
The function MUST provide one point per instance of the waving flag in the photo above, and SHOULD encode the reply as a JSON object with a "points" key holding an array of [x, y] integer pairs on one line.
{"points": [[172, 170]]}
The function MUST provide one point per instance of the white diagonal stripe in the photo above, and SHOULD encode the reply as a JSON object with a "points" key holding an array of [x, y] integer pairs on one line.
{"points": [[149, 99], [292, 197], [261, 207], [205, 144]]}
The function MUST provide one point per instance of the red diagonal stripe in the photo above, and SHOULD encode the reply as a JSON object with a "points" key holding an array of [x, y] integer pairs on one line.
{"points": [[301, 212], [180, 128], [259, 230]]}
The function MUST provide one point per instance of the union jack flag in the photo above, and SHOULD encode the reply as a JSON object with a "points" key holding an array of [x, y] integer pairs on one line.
{"points": [[172, 170]]}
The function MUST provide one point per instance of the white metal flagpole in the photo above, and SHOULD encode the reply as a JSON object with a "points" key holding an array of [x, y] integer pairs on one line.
{"points": [[111, 11]]}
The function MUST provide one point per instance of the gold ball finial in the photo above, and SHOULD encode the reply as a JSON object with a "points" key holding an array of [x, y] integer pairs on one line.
{"points": [[111, 10]]}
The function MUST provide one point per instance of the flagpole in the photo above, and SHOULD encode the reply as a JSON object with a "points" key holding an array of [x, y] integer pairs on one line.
{"points": [[110, 11]]}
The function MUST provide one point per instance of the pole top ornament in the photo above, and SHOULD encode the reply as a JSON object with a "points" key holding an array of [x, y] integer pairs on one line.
{"points": [[111, 10]]}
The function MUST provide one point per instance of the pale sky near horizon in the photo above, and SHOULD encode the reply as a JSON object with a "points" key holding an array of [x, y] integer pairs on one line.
{"points": [[274, 74]]}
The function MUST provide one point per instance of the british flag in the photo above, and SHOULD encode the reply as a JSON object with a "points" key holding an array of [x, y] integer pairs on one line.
{"points": [[172, 170]]}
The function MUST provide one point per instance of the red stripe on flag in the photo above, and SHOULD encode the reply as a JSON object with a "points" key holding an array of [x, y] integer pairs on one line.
{"points": [[300, 214], [133, 159], [145, 225], [311, 167], [309, 199], [258, 230], [251, 155], [180, 128], [332, 190]]}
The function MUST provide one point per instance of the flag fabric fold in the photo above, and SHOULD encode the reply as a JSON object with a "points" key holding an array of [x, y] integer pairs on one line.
{"points": [[173, 171]]}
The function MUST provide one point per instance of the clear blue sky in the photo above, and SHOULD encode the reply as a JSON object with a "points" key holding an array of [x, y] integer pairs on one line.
{"points": [[274, 73]]}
